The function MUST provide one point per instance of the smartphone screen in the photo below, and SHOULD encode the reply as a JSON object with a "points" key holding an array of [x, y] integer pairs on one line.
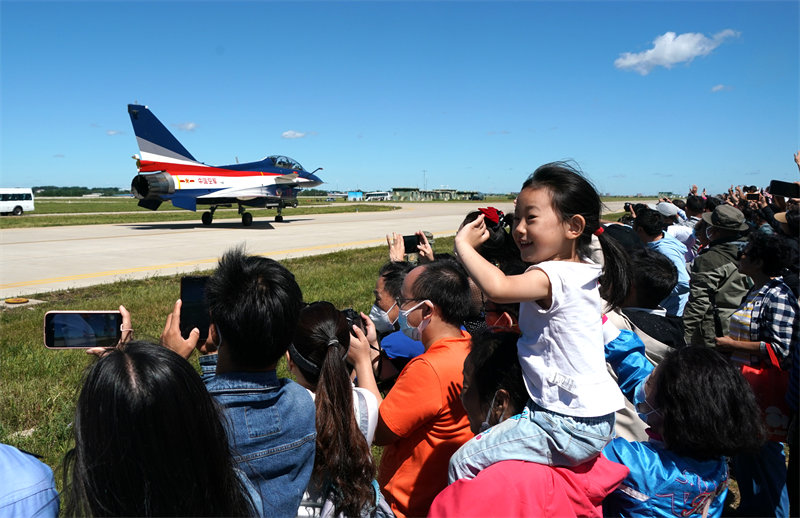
{"points": [[194, 310], [81, 329]]}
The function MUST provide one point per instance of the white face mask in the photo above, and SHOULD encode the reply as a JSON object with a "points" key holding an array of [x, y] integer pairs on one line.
{"points": [[415, 333], [379, 317], [485, 425]]}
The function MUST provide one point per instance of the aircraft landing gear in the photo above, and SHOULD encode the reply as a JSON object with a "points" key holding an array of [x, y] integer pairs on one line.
{"points": [[247, 218], [208, 216], [278, 217]]}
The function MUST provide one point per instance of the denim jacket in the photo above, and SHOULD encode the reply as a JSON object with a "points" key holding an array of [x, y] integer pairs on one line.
{"points": [[272, 430]]}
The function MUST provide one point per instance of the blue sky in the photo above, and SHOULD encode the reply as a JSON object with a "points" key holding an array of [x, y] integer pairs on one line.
{"points": [[645, 96]]}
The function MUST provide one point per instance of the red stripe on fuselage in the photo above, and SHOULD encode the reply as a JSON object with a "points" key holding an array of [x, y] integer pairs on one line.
{"points": [[198, 170]]}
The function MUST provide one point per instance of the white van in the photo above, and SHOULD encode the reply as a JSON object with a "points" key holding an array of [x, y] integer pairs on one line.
{"points": [[15, 200]]}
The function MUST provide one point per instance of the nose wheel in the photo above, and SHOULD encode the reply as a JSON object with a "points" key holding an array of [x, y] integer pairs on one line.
{"points": [[247, 219], [207, 217]]}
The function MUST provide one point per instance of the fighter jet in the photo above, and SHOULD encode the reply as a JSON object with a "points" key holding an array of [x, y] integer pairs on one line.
{"points": [[168, 172]]}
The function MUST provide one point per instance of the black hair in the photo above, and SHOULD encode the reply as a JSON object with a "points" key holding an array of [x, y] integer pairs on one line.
{"points": [[625, 236], [572, 195], [500, 248], [774, 252], [695, 204], [393, 273], [680, 204], [708, 407], [149, 441], [444, 282], [712, 202], [793, 223], [650, 221], [253, 301], [343, 457], [654, 276], [495, 363]]}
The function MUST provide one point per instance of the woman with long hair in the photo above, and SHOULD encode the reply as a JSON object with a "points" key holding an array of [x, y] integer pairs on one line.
{"points": [[344, 470], [149, 441]]}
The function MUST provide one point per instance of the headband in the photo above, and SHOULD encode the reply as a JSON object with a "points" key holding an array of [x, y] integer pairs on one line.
{"points": [[306, 365]]}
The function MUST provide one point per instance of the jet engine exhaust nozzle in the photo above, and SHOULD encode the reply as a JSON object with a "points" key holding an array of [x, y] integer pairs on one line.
{"points": [[152, 185]]}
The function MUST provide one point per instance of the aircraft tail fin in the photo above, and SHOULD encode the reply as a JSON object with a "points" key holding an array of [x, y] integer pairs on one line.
{"points": [[156, 143]]}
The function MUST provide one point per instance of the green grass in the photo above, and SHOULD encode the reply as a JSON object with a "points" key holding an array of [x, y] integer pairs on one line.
{"points": [[40, 386], [146, 216]]}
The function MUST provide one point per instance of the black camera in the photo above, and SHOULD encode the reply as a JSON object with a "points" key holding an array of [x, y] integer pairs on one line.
{"points": [[353, 319], [627, 206]]}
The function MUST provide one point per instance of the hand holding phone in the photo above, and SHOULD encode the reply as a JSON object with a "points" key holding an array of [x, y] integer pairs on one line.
{"points": [[82, 329], [194, 310]]}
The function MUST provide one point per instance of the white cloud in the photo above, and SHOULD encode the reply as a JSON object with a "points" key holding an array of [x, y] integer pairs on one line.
{"points": [[111, 133], [293, 134], [720, 87], [186, 126], [670, 49]]}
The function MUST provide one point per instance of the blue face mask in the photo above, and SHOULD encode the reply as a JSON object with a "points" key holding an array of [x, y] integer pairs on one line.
{"points": [[415, 333], [643, 408]]}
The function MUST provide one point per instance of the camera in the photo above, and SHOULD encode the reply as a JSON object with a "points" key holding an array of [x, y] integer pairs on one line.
{"points": [[627, 206], [353, 319], [410, 243]]}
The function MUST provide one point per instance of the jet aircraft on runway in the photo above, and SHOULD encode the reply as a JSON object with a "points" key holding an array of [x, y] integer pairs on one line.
{"points": [[176, 176]]}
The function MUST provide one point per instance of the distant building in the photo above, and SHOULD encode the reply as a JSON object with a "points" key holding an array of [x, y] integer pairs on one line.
{"points": [[355, 196]]}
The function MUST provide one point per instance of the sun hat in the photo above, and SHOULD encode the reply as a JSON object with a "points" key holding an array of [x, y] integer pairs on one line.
{"points": [[726, 217]]}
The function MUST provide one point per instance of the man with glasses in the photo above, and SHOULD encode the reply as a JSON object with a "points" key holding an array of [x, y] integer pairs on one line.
{"points": [[422, 421]]}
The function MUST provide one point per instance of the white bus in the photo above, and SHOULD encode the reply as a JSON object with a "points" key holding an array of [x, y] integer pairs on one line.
{"points": [[15, 200], [377, 196]]}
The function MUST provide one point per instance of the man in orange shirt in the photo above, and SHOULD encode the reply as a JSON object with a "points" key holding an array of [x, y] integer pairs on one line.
{"points": [[422, 421]]}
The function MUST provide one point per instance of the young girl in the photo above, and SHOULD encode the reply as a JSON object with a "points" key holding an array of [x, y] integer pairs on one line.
{"points": [[570, 416]]}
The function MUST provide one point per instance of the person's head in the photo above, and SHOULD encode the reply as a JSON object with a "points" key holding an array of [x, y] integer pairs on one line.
{"points": [[724, 222], [253, 302], [654, 277], [499, 249], [343, 457], [668, 210], [789, 222], [437, 291], [694, 205], [680, 204], [702, 406], [493, 389], [648, 224], [711, 203], [556, 214], [149, 441], [388, 288], [766, 254]]}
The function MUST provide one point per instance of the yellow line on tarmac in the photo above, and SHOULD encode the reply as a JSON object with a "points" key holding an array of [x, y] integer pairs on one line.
{"points": [[124, 271]]}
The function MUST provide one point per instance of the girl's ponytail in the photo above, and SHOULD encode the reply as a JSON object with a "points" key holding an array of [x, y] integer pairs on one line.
{"points": [[615, 281]]}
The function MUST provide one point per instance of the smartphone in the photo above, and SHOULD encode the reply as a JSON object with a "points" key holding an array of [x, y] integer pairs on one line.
{"points": [[786, 189], [81, 329], [194, 309], [752, 196], [410, 243]]}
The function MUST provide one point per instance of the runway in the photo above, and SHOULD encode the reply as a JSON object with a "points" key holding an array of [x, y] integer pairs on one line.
{"points": [[36, 260]]}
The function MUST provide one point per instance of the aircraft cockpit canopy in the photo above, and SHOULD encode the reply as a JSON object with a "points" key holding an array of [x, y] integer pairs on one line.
{"points": [[285, 162]]}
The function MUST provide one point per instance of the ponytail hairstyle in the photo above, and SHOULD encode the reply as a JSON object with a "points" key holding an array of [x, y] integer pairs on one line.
{"points": [[572, 195], [343, 458]]}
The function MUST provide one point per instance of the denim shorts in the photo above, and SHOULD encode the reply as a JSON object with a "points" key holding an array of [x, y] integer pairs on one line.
{"points": [[536, 435]]}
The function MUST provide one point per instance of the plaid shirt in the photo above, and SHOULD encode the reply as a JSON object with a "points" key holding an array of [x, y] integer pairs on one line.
{"points": [[775, 316]]}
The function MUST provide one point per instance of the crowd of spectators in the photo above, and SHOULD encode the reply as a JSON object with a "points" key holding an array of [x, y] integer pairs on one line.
{"points": [[554, 364]]}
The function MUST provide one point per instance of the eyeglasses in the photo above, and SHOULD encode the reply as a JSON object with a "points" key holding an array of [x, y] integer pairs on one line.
{"points": [[402, 302]]}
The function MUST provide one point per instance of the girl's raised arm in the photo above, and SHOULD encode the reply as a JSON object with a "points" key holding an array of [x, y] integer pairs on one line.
{"points": [[531, 285]]}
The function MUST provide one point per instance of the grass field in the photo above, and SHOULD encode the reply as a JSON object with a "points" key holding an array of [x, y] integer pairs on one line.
{"points": [[40, 386]]}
